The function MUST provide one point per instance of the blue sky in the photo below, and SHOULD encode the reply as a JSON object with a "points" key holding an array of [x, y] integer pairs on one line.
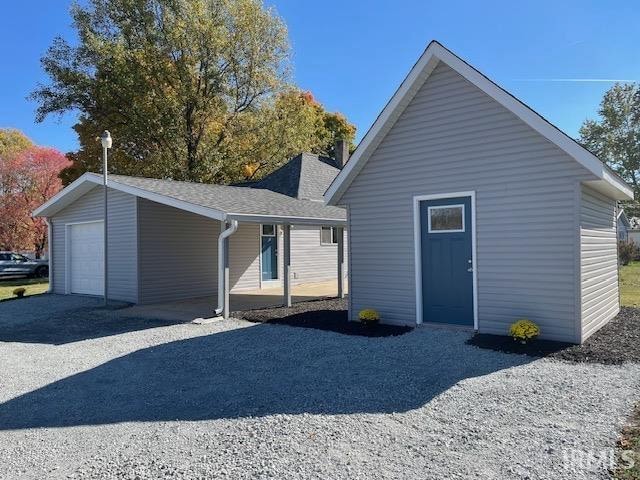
{"points": [[353, 54]]}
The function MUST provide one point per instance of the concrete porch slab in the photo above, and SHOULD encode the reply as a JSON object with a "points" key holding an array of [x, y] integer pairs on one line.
{"points": [[203, 307]]}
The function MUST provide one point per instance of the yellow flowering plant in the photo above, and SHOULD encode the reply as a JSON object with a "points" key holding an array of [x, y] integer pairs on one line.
{"points": [[369, 316], [524, 330], [19, 292]]}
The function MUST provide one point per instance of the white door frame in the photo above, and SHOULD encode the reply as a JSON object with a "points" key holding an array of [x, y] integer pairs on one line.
{"points": [[276, 281], [417, 229], [67, 252]]}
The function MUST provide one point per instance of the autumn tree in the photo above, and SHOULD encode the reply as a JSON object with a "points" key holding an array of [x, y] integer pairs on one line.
{"points": [[615, 136], [29, 178], [186, 87]]}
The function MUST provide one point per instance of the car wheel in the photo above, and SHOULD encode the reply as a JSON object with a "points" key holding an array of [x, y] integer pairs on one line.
{"points": [[42, 272]]}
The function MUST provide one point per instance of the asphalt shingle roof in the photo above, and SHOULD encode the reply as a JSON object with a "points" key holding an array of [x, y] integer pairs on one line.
{"points": [[305, 177], [235, 200]]}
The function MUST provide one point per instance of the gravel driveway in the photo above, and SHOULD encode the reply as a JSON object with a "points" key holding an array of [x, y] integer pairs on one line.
{"points": [[240, 400]]}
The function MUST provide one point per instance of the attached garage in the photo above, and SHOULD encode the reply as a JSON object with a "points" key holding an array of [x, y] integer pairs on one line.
{"points": [[85, 253], [167, 239]]}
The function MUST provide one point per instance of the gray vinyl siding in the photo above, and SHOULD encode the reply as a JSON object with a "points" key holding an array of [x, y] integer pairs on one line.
{"points": [[310, 260], [451, 138], [178, 253], [244, 262], [600, 300], [123, 280]]}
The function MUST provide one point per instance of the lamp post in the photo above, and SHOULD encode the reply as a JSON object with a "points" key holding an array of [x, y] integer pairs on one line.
{"points": [[105, 139]]}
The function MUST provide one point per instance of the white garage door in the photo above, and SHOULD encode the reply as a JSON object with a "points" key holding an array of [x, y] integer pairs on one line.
{"points": [[86, 258]]}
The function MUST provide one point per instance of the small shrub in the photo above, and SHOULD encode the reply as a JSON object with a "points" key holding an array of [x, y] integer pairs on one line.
{"points": [[369, 316], [19, 292], [524, 330], [627, 251]]}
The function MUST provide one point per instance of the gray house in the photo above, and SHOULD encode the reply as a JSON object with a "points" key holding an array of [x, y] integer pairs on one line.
{"points": [[170, 240], [623, 226], [466, 207]]}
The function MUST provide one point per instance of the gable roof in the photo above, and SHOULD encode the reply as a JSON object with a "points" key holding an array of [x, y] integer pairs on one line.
{"points": [[607, 181], [220, 202], [622, 218], [306, 177]]}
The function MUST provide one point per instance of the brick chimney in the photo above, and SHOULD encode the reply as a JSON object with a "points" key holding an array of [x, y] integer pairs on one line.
{"points": [[342, 152]]}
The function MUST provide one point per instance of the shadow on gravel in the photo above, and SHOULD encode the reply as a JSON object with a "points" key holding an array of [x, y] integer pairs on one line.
{"points": [[256, 371], [56, 320]]}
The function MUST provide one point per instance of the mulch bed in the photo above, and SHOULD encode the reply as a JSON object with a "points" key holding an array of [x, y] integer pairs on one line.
{"points": [[324, 314], [614, 344]]}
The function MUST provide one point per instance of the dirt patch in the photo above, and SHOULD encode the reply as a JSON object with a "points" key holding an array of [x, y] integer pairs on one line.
{"points": [[324, 314], [614, 344]]}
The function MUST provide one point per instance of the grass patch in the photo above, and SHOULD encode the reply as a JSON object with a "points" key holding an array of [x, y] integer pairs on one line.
{"points": [[34, 286], [629, 449], [630, 285]]}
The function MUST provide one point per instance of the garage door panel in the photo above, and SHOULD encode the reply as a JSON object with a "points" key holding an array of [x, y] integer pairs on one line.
{"points": [[86, 254]]}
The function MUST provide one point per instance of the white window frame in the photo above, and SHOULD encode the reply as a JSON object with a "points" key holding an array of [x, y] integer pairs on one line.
{"points": [[274, 281], [275, 230], [334, 233], [441, 207]]}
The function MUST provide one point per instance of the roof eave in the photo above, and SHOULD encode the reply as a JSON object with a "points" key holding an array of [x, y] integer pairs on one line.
{"points": [[67, 195], [415, 79], [286, 219]]}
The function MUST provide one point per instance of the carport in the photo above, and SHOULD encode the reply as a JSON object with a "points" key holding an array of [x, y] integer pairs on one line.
{"points": [[151, 221]]}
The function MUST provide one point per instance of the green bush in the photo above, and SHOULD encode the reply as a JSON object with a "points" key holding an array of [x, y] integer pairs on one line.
{"points": [[627, 251]]}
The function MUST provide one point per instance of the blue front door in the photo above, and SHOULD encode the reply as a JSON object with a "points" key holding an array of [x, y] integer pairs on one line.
{"points": [[269, 252], [447, 273]]}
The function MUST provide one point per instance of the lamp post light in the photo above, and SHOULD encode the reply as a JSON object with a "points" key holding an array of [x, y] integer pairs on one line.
{"points": [[105, 139]]}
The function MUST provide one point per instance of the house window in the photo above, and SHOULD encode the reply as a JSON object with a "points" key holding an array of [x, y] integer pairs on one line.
{"points": [[446, 219], [329, 236], [268, 230]]}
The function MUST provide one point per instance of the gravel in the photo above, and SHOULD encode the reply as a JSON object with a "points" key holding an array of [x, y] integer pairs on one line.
{"points": [[239, 400]]}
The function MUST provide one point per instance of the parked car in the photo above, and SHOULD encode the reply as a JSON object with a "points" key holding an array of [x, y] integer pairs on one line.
{"points": [[15, 264]]}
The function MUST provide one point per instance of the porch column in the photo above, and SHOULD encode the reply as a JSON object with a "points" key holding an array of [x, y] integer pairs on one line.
{"points": [[340, 233], [287, 265], [225, 312]]}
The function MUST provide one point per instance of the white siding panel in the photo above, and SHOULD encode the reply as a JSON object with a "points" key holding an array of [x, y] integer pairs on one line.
{"points": [[450, 138], [599, 261], [244, 250], [178, 253], [123, 280]]}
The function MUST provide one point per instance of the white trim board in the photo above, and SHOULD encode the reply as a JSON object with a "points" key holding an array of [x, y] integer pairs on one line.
{"points": [[417, 245], [435, 53]]}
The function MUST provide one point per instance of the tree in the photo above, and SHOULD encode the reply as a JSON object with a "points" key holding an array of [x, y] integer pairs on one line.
{"points": [[183, 85], [12, 141], [615, 136], [30, 178]]}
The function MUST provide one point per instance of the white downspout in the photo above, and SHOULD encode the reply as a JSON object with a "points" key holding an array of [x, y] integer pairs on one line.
{"points": [[221, 264], [49, 253]]}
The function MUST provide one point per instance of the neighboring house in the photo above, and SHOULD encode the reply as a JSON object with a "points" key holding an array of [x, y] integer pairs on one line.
{"points": [[164, 235], [468, 208], [623, 226]]}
